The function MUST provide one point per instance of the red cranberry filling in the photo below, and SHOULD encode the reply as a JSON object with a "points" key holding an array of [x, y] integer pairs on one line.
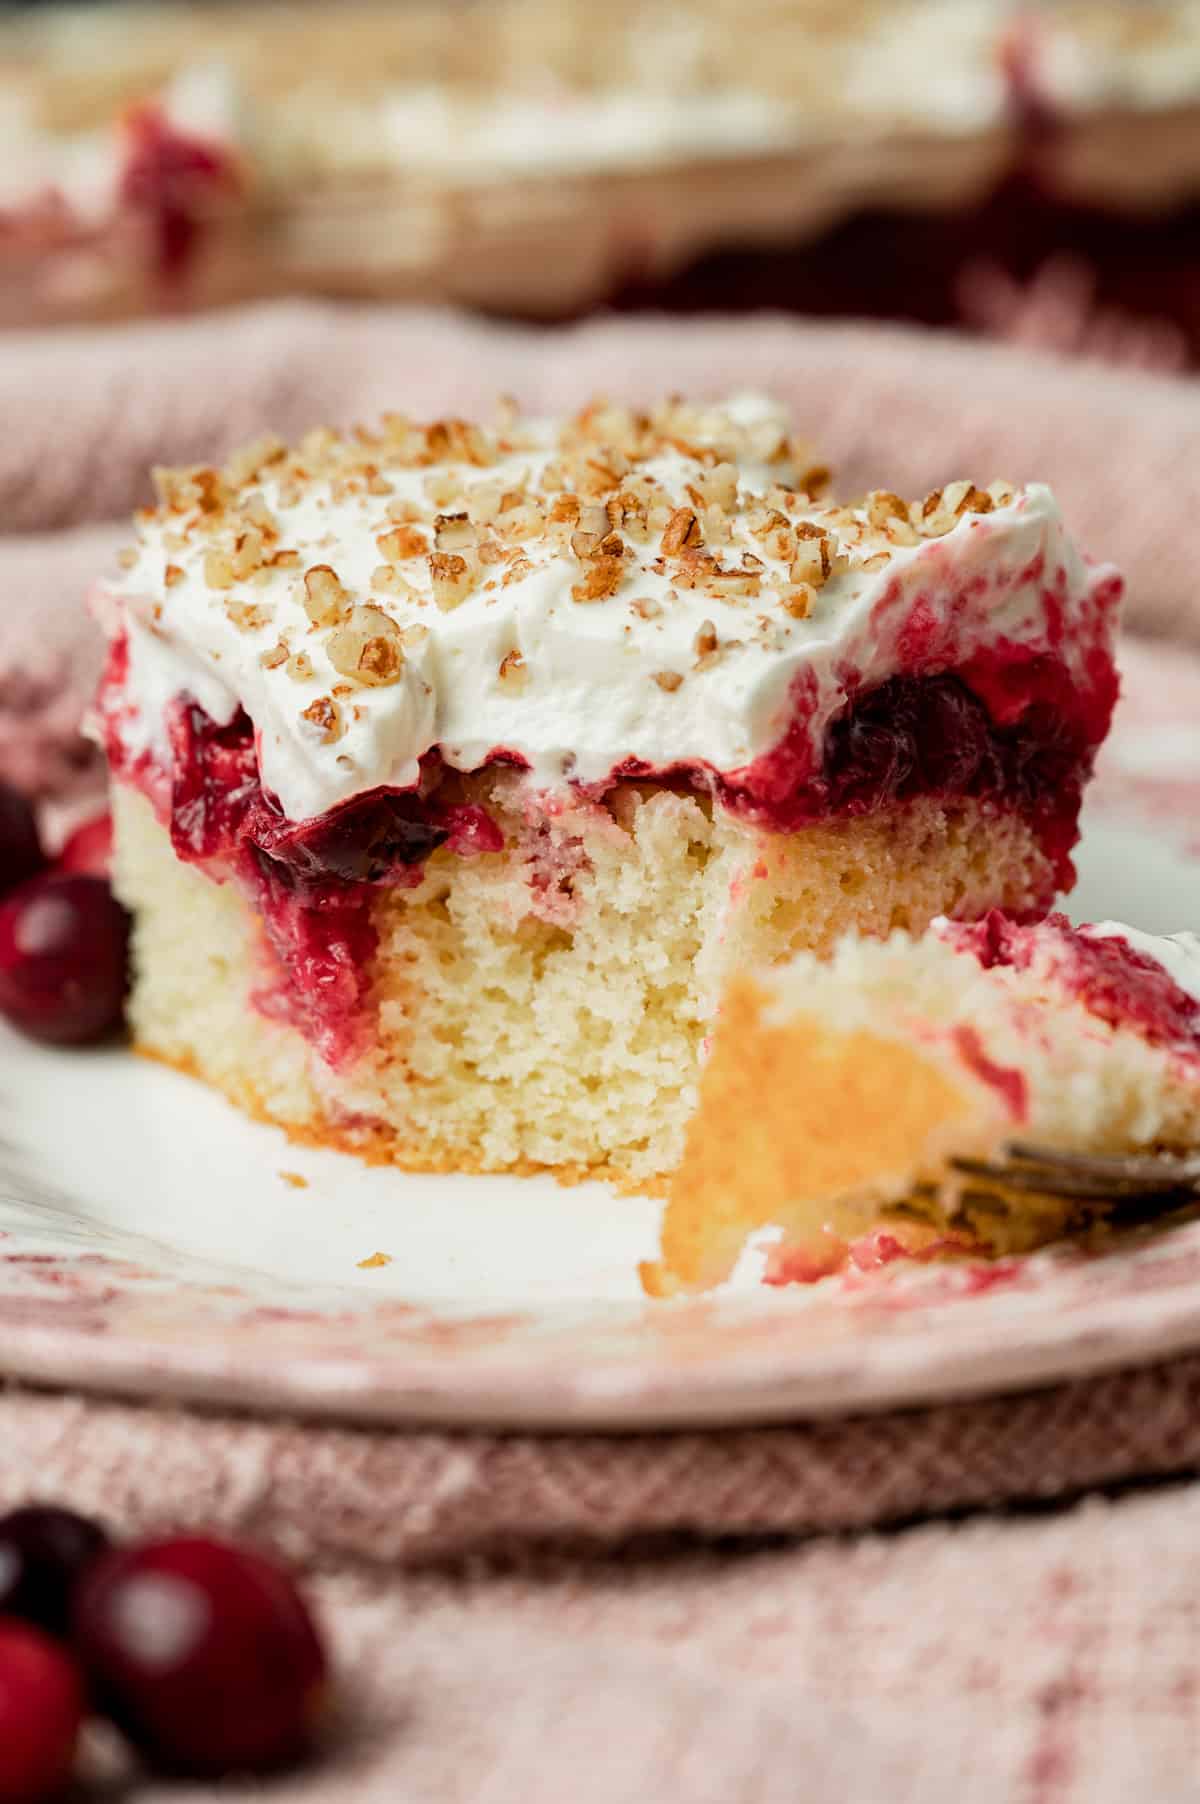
{"points": [[930, 736], [1113, 980], [312, 880]]}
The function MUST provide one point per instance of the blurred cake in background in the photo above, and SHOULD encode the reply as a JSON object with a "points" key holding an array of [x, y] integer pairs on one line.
{"points": [[536, 159], [518, 155]]}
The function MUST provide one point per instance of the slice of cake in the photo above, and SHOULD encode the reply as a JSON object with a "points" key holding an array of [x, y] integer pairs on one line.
{"points": [[837, 1093], [454, 770]]}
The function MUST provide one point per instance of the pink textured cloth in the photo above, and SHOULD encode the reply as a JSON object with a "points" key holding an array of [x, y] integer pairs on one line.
{"points": [[1046, 1659], [587, 1618]]}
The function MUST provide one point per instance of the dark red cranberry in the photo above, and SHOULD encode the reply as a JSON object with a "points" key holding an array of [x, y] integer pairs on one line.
{"points": [[21, 852], [870, 763], [63, 958], [89, 849], [41, 1705], [204, 1655], [952, 736], [44, 1551], [372, 841]]}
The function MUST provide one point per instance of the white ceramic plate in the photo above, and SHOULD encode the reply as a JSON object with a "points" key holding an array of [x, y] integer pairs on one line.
{"points": [[149, 1242]]}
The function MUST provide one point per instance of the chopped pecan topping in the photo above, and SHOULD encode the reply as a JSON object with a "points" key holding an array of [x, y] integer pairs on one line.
{"points": [[813, 562], [368, 647], [601, 577], [400, 543], [198, 487], [798, 600], [452, 578], [247, 553], [325, 600], [218, 570], [454, 532], [513, 672], [247, 616], [682, 533], [706, 641], [517, 571], [325, 717], [248, 463], [564, 510]]}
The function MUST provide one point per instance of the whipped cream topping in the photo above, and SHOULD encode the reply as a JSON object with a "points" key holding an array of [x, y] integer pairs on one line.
{"points": [[658, 588], [1177, 953]]}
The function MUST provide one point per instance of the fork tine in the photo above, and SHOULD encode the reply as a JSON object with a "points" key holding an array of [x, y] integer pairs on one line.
{"points": [[1172, 1168], [1073, 1183]]}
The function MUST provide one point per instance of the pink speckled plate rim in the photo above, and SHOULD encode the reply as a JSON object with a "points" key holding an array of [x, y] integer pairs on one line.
{"points": [[88, 1320]]}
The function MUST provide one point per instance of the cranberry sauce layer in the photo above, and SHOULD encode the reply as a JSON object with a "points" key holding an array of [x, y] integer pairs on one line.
{"points": [[1117, 982], [1016, 730], [313, 881]]}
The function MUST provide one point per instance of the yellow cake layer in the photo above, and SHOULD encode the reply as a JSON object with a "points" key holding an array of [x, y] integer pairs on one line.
{"points": [[515, 1025]]}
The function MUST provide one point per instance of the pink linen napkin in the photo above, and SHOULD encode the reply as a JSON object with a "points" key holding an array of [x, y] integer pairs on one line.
{"points": [[1028, 1659], [488, 1652]]}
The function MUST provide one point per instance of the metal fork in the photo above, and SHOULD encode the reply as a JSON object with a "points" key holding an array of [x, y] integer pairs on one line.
{"points": [[1086, 1177]]}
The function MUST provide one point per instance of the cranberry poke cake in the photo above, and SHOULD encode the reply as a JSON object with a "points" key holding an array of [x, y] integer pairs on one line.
{"points": [[838, 1092], [455, 769]]}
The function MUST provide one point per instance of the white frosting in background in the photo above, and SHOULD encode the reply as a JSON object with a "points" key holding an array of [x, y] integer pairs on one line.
{"points": [[936, 64], [669, 95], [1139, 56], [433, 131], [83, 168], [1177, 953], [667, 88], [589, 699]]}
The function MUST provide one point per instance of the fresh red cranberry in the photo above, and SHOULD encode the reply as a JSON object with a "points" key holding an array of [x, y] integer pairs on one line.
{"points": [[41, 1705], [63, 958], [44, 1552], [204, 1654], [21, 852], [88, 851]]}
